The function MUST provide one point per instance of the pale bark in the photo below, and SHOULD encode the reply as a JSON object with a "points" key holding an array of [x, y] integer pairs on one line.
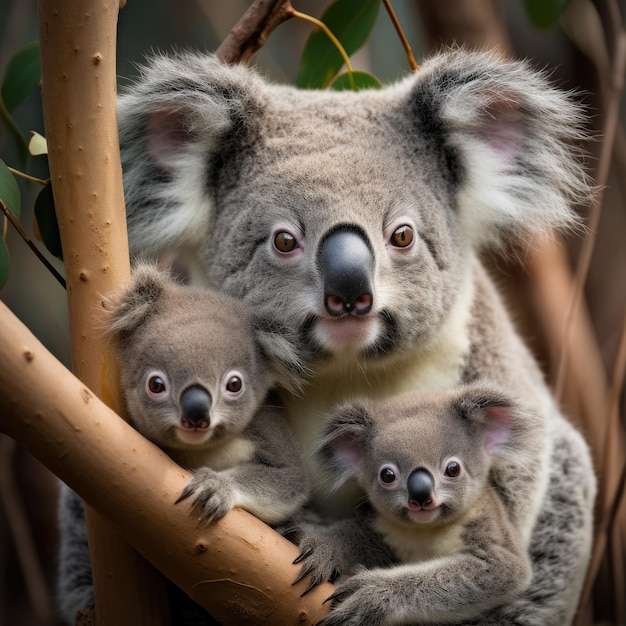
{"points": [[238, 568], [79, 103]]}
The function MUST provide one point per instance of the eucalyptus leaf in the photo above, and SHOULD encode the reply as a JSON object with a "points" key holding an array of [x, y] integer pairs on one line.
{"points": [[4, 262], [9, 191], [46, 224], [545, 13], [351, 21], [21, 77], [362, 80]]}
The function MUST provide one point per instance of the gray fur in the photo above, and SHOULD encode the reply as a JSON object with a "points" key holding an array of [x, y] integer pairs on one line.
{"points": [[466, 152], [458, 553], [243, 455]]}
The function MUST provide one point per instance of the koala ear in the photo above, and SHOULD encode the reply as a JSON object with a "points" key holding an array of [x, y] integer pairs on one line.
{"points": [[493, 412], [507, 141], [130, 308], [178, 116], [341, 446]]}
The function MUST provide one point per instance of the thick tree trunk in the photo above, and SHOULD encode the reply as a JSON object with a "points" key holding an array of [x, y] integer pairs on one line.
{"points": [[238, 568]]}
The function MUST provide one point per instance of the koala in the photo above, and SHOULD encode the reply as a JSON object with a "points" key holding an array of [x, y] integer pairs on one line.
{"points": [[423, 460], [195, 374], [353, 223]]}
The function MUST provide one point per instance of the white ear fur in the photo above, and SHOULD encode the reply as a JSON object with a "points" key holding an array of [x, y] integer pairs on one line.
{"points": [[518, 138]]}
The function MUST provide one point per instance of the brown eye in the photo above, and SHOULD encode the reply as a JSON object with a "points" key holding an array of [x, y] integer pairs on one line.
{"points": [[234, 384], [402, 236], [285, 242], [453, 469]]}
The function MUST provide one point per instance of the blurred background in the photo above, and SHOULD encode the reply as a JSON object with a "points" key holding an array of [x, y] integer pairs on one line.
{"points": [[577, 51]]}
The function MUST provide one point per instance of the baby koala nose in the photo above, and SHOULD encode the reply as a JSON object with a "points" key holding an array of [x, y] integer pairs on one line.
{"points": [[420, 487], [195, 404]]}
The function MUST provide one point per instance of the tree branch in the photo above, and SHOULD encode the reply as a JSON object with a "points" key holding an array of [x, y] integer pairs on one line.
{"points": [[238, 568]]}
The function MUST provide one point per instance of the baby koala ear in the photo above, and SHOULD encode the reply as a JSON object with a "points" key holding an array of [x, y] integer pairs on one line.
{"points": [[493, 412], [130, 307], [341, 447]]}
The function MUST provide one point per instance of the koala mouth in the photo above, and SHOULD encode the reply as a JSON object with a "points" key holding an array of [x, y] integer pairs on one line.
{"points": [[372, 335], [423, 516]]}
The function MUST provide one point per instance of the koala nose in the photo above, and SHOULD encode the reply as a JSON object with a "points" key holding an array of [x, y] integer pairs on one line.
{"points": [[346, 263], [195, 404], [420, 486]]}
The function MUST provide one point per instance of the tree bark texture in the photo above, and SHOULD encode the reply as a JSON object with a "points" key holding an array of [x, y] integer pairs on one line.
{"points": [[79, 102], [238, 568]]}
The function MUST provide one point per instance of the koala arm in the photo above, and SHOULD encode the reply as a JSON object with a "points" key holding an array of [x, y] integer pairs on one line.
{"points": [[490, 570], [272, 485], [328, 551]]}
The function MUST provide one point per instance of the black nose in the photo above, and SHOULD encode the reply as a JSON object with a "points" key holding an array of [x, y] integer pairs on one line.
{"points": [[195, 404], [346, 263], [420, 486]]}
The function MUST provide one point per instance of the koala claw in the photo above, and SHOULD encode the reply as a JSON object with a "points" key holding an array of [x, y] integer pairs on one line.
{"points": [[213, 497], [319, 563], [355, 602]]}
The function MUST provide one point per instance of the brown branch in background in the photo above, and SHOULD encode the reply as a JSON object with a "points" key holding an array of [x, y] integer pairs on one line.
{"points": [[400, 31], [20, 530], [252, 30]]}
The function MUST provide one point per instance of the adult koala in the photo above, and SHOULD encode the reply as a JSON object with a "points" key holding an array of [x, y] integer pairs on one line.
{"points": [[353, 222]]}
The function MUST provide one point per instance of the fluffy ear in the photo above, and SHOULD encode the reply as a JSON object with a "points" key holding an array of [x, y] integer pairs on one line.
{"points": [[179, 113], [494, 413], [341, 446], [507, 142], [130, 308]]}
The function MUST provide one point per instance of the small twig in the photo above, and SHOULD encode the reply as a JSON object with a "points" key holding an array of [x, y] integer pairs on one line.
{"points": [[331, 36], [18, 227], [27, 176], [400, 31], [252, 30]]}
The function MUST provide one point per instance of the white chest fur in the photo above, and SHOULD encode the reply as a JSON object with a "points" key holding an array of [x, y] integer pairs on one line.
{"points": [[223, 456]]}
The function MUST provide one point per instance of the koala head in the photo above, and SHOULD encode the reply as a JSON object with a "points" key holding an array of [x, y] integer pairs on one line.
{"points": [[192, 368], [348, 219], [423, 458]]}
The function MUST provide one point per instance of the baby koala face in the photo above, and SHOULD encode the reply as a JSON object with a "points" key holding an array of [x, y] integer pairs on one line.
{"points": [[191, 371], [421, 457]]}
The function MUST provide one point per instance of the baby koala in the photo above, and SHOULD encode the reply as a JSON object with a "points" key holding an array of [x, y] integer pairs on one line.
{"points": [[195, 374], [436, 539]]}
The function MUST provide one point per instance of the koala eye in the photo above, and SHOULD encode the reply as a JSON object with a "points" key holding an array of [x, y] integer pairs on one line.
{"points": [[285, 242], [453, 469], [389, 476], [157, 385], [402, 237], [234, 384]]}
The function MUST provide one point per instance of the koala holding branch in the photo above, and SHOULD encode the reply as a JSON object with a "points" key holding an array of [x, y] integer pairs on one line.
{"points": [[423, 460], [354, 221], [195, 375]]}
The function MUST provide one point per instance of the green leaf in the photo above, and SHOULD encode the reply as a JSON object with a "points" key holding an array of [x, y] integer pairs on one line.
{"points": [[4, 262], [351, 21], [362, 80], [22, 76], [9, 191], [545, 13], [46, 224]]}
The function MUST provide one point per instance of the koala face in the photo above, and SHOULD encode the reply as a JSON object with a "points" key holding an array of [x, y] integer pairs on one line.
{"points": [[347, 219], [190, 368], [422, 458]]}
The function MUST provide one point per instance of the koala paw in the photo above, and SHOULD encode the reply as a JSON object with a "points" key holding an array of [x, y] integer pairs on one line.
{"points": [[360, 599], [319, 562], [213, 496]]}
